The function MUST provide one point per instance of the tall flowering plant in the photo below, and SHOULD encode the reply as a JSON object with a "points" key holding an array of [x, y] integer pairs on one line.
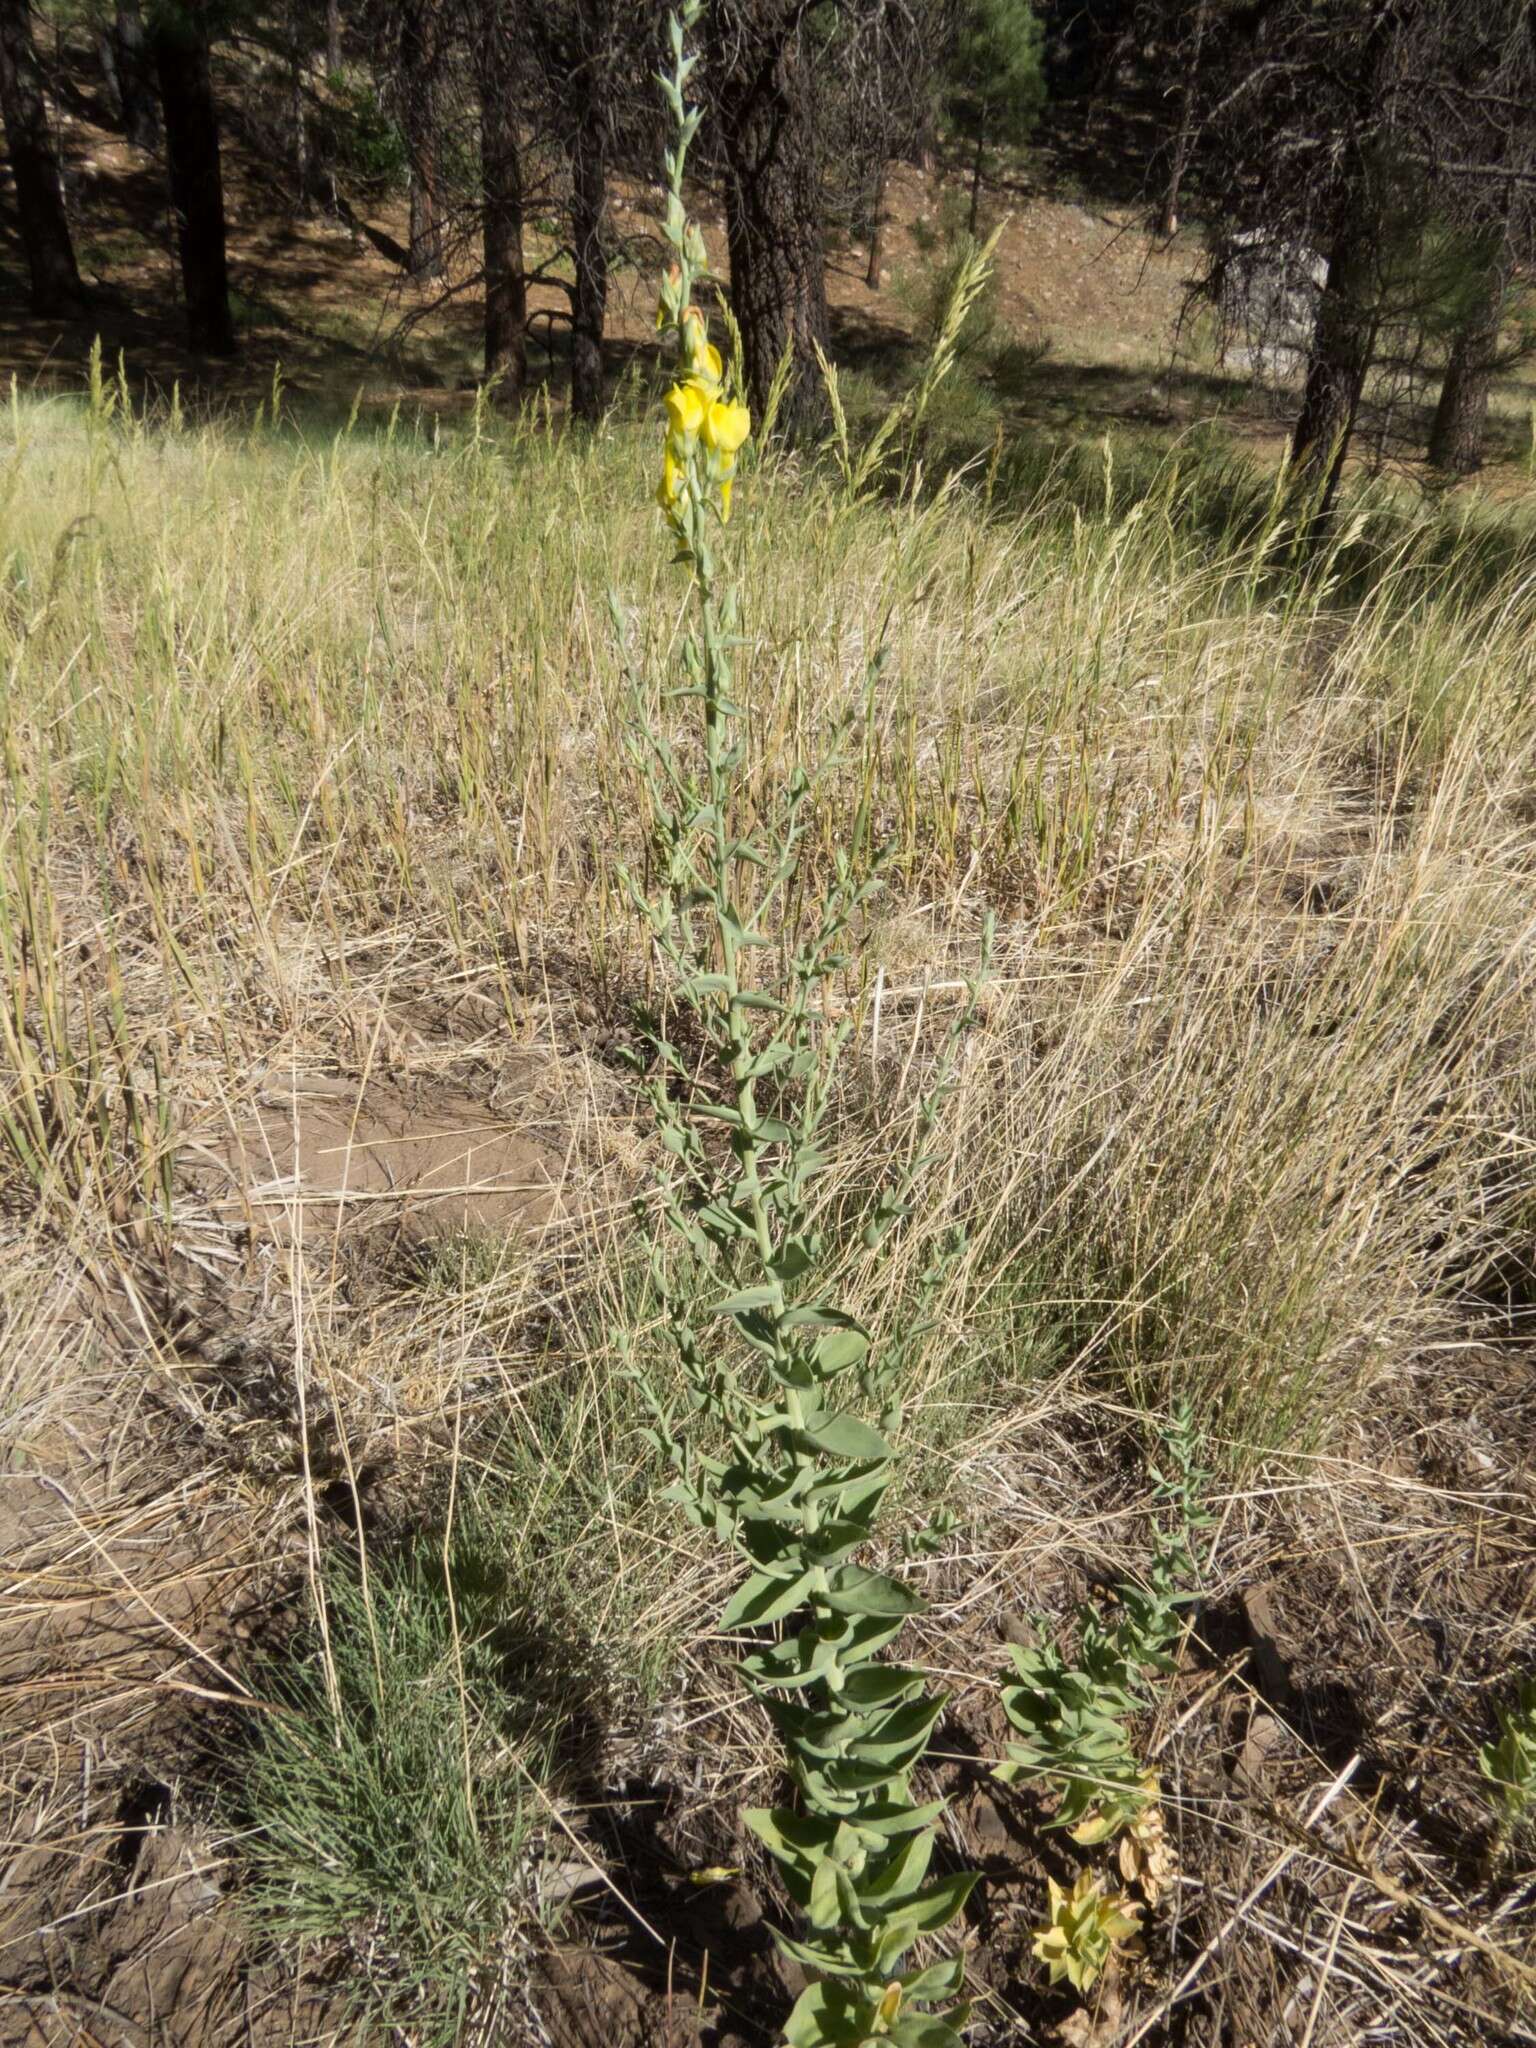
{"points": [[765, 1452]]}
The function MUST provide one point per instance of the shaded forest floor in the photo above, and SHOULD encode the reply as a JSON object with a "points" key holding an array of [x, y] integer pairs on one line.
{"points": [[1099, 321]]}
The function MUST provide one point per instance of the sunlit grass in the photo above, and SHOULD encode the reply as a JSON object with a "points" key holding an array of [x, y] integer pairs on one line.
{"points": [[282, 706]]}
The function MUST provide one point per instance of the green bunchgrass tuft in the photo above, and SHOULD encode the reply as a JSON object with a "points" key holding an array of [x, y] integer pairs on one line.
{"points": [[466, 1262], [391, 1794]]}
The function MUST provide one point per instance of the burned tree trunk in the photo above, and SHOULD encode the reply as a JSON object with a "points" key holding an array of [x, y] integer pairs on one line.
{"points": [[877, 227], [1343, 343], [506, 291], [55, 280], [589, 145], [298, 114], [179, 39], [978, 163], [418, 62], [1456, 435], [1183, 142], [773, 204], [135, 76], [589, 300]]}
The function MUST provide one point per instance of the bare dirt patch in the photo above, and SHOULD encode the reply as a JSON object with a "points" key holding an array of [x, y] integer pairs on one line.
{"points": [[414, 1158], [156, 1521]]}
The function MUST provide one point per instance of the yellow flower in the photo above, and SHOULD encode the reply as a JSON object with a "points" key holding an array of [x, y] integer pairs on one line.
{"points": [[726, 425], [686, 411], [725, 498], [673, 487], [705, 368]]}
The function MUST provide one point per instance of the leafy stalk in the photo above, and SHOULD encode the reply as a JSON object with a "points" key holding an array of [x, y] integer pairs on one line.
{"points": [[766, 1454], [1073, 1716]]}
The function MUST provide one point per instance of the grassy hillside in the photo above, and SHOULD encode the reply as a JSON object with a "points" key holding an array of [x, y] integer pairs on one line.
{"points": [[356, 1666]]}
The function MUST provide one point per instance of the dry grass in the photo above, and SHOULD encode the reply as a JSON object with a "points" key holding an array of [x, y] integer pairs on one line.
{"points": [[314, 774]]}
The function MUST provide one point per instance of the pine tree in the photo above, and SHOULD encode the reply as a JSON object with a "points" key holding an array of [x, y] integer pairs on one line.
{"points": [[995, 80]]}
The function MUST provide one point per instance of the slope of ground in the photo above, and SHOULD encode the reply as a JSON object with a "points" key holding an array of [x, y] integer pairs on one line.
{"points": [[1101, 313]]}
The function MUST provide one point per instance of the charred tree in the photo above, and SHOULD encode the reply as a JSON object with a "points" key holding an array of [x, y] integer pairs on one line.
{"points": [[135, 77], [1461, 416], [767, 130], [501, 170], [589, 297], [420, 53], [1343, 348], [877, 227], [55, 279], [1168, 212], [179, 41], [589, 106], [298, 115]]}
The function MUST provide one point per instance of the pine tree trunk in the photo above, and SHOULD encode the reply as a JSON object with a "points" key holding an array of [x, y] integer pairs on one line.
{"points": [[1456, 436], [425, 257], [180, 46], [55, 280], [976, 169], [1343, 342], [335, 56], [1348, 318], [1168, 215], [589, 200], [135, 77], [297, 54], [877, 228], [773, 212], [419, 52], [506, 292], [112, 88]]}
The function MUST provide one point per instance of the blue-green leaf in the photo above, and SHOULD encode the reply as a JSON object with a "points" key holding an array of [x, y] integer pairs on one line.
{"points": [[879, 1685], [764, 1598], [844, 1436], [749, 1299], [839, 1349], [903, 1874], [828, 2015], [938, 1980], [851, 1589], [922, 2030]]}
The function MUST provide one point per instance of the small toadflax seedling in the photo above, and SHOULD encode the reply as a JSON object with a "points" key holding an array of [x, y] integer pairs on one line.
{"points": [[1082, 1930], [766, 1454], [1509, 1764], [1072, 1716]]}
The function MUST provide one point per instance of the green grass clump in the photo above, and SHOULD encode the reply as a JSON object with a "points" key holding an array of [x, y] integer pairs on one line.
{"points": [[390, 1793]]}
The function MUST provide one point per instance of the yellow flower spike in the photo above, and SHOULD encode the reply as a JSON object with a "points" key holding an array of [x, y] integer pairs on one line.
{"points": [[686, 411], [725, 498], [726, 425], [702, 358], [673, 487], [671, 285]]}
